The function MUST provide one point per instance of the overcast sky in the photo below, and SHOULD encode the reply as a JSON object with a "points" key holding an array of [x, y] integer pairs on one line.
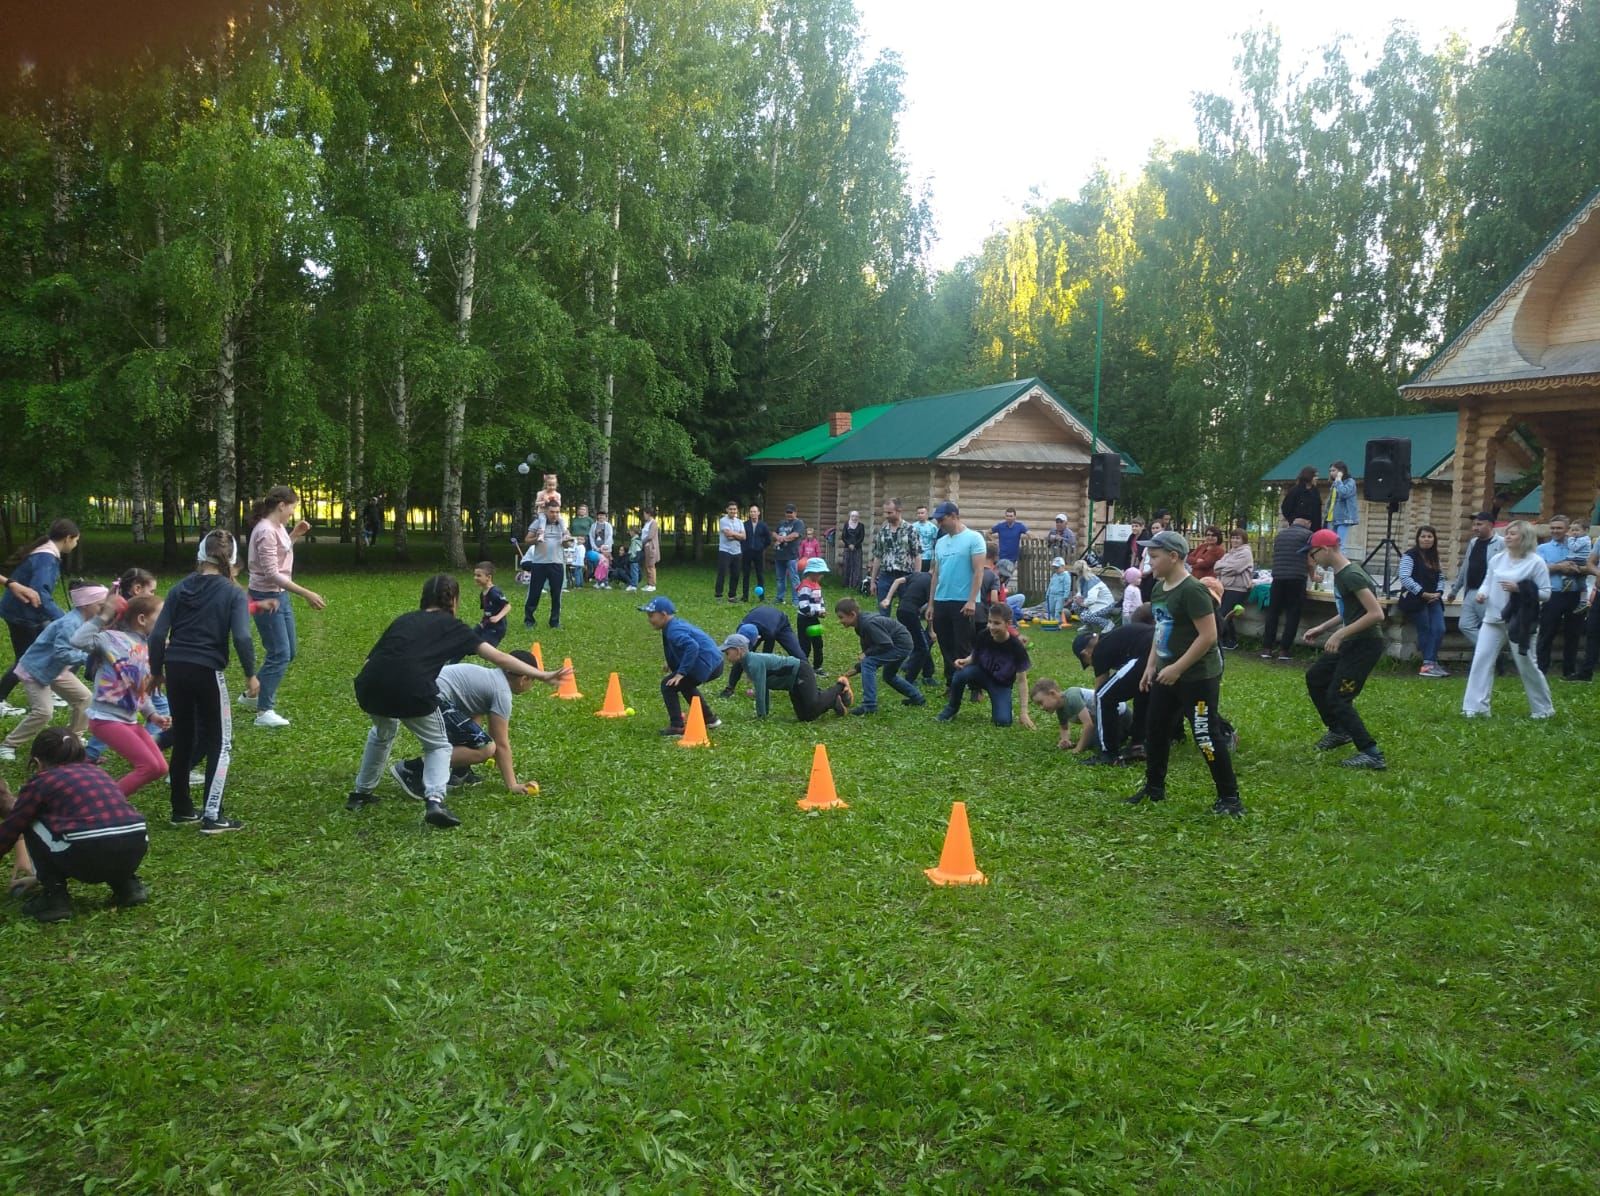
{"points": [[1003, 96]]}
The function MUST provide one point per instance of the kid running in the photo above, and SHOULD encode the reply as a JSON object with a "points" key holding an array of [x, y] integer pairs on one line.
{"points": [[692, 661], [189, 655], [493, 602], [1182, 674], [122, 687], [1337, 678]]}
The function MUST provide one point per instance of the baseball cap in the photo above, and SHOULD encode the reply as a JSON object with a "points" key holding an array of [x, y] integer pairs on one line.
{"points": [[736, 641], [1057, 561], [750, 631], [945, 509], [1169, 540], [1061, 518], [1321, 539], [1081, 642], [1483, 515], [789, 510], [661, 606]]}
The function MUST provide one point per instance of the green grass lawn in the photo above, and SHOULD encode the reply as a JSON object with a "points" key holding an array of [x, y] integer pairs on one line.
{"points": [[657, 975]]}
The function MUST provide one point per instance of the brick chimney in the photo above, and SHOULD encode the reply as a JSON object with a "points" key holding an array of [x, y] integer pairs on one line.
{"points": [[838, 423]]}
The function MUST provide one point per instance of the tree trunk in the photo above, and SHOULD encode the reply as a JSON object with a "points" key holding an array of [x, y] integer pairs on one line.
{"points": [[140, 514], [353, 503], [227, 457], [169, 519], [401, 410], [607, 415], [456, 415], [483, 511]]}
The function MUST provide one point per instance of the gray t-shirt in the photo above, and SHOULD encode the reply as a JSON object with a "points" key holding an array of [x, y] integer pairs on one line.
{"points": [[475, 691], [546, 551], [725, 542]]}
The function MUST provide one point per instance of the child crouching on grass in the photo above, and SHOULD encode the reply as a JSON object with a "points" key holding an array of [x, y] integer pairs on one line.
{"points": [[77, 825], [1073, 707], [399, 686], [998, 661]]}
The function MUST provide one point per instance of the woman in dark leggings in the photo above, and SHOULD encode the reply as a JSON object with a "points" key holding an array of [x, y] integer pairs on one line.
{"points": [[39, 570]]}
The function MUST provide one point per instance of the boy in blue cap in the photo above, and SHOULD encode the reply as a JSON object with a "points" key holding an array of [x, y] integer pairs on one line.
{"points": [[692, 661]]}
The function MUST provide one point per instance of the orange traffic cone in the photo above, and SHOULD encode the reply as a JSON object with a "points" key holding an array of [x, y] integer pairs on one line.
{"points": [[820, 793], [613, 707], [568, 689], [957, 865], [694, 732], [538, 656]]}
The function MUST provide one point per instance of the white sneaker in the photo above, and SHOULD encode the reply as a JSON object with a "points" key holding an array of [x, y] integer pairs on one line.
{"points": [[247, 701], [7, 754], [7, 710], [631, 589], [649, 589], [197, 778], [271, 718], [58, 702]]}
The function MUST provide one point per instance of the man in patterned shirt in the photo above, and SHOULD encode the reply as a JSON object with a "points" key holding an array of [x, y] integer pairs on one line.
{"points": [[896, 549], [77, 825]]}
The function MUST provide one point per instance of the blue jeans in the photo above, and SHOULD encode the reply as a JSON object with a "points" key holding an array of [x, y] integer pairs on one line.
{"points": [[886, 578], [786, 575], [999, 695], [1430, 631], [890, 664], [276, 629]]}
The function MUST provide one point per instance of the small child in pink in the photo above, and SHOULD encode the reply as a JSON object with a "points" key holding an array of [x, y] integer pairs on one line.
{"points": [[1131, 597], [122, 687]]}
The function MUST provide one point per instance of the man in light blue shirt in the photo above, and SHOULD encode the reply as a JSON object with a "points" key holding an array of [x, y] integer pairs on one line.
{"points": [[1566, 555], [957, 575], [927, 533]]}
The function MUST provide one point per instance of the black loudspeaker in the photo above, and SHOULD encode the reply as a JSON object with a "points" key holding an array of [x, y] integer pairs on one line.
{"points": [[1387, 477], [1116, 555], [1105, 477]]}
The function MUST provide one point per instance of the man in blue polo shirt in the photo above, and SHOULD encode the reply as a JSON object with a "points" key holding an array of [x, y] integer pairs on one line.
{"points": [[1565, 552], [957, 573], [1009, 533]]}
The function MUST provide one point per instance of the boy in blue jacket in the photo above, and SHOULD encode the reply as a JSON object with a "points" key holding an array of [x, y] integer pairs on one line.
{"points": [[692, 661]]}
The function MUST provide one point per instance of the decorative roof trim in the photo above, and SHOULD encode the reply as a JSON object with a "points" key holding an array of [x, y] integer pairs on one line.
{"points": [[1515, 287], [1036, 391], [1470, 390]]}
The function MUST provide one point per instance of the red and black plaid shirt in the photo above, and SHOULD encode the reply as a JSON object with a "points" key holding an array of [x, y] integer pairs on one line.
{"points": [[69, 799]]}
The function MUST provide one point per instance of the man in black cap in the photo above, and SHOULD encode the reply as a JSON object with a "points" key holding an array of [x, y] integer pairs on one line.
{"points": [[1482, 548]]}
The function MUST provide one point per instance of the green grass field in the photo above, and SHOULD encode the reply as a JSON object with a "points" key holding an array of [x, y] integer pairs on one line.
{"points": [[657, 975]]}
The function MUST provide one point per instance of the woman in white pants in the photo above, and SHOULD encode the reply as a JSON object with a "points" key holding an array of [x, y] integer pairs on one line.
{"points": [[1517, 564]]}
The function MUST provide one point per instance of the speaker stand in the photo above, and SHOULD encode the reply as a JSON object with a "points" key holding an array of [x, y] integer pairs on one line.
{"points": [[1385, 546]]}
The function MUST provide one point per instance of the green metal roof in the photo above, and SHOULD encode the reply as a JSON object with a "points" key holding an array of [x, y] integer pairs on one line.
{"points": [[1432, 436], [1531, 504], [915, 429], [814, 441]]}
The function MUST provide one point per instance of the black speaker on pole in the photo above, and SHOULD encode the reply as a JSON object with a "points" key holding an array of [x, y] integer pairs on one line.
{"points": [[1105, 477], [1387, 477]]}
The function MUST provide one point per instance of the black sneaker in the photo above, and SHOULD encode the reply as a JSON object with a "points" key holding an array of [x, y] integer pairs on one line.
{"points": [[437, 815], [360, 801], [675, 731], [713, 724], [220, 826], [1231, 806], [840, 706], [460, 777], [1580, 675], [1266, 655], [1372, 758], [863, 710], [189, 819], [945, 715], [919, 700], [1102, 758], [129, 893], [408, 779], [49, 904], [1333, 739], [1146, 793], [725, 694]]}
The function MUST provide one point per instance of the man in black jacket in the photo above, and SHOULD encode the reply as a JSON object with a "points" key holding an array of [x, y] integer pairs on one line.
{"points": [[1290, 576], [753, 555]]}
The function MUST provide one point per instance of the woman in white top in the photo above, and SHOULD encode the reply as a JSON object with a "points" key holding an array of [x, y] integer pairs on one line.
{"points": [[272, 576], [1519, 563], [1092, 601]]}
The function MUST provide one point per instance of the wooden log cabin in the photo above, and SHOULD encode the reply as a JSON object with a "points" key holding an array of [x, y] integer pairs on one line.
{"points": [[1010, 444], [1529, 361]]}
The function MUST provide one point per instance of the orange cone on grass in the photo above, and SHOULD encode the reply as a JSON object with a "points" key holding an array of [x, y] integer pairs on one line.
{"points": [[694, 731], [538, 656], [957, 864], [612, 707], [820, 793], [567, 691]]}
